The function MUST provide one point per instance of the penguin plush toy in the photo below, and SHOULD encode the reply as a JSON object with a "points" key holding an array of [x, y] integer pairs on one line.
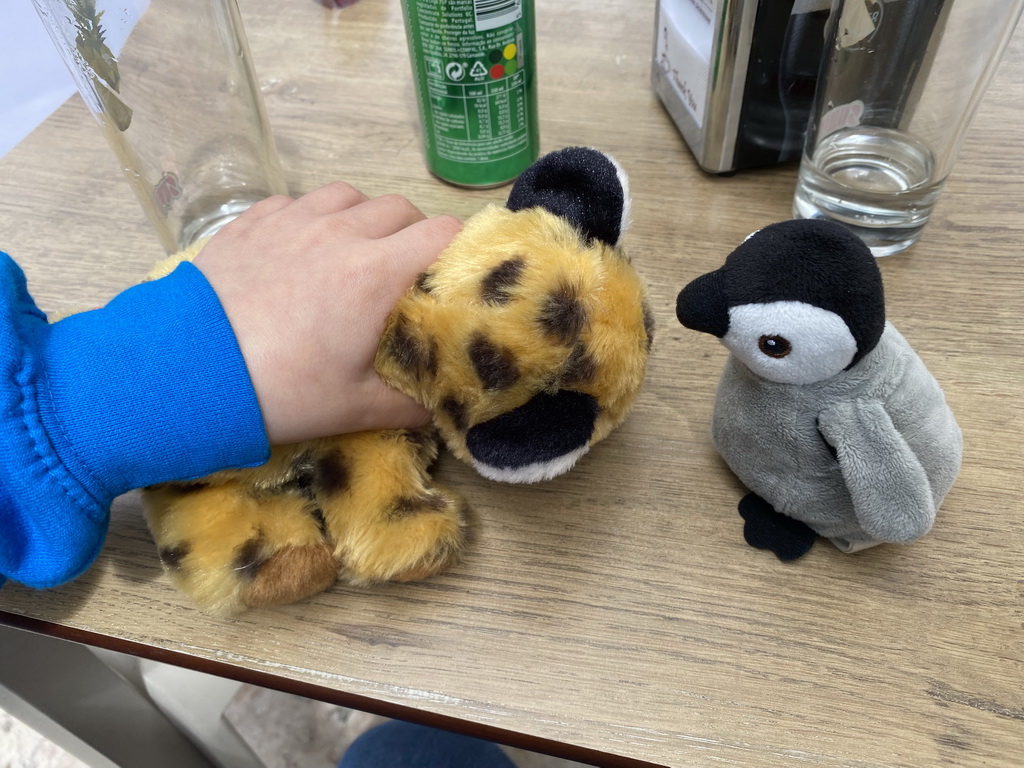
{"points": [[823, 410]]}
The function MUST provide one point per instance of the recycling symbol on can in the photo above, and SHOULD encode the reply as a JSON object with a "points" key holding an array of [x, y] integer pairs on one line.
{"points": [[455, 70]]}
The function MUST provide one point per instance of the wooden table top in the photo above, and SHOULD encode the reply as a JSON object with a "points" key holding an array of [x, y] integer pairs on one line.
{"points": [[614, 615]]}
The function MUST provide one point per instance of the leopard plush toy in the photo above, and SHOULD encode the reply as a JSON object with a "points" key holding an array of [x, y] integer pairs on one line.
{"points": [[527, 339]]}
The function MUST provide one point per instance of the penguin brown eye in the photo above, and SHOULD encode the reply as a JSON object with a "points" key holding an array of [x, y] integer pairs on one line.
{"points": [[774, 346]]}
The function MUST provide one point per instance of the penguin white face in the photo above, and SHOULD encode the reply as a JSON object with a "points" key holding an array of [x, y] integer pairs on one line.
{"points": [[789, 342]]}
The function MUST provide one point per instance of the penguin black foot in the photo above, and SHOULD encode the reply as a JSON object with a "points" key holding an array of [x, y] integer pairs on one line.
{"points": [[767, 529]]}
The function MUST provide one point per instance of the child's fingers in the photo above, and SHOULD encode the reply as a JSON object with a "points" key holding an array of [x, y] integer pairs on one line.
{"points": [[266, 206], [379, 217], [331, 198], [418, 245]]}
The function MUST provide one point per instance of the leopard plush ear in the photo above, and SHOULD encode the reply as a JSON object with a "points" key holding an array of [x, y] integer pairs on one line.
{"points": [[585, 187]]}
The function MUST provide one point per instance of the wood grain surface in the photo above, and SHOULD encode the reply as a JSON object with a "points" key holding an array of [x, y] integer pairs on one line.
{"points": [[614, 615]]}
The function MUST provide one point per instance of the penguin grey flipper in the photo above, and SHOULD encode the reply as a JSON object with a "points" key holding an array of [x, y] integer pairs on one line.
{"points": [[765, 528], [892, 497]]}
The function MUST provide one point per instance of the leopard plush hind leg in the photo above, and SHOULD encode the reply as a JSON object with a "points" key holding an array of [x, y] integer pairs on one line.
{"points": [[394, 524], [359, 507], [229, 550]]}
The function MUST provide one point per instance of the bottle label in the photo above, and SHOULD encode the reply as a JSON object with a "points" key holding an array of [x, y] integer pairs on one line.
{"points": [[473, 62], [685, 35]]}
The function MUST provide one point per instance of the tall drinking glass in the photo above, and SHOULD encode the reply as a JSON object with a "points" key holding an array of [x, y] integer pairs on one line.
{"points": [[172, 86], [900, 81]]}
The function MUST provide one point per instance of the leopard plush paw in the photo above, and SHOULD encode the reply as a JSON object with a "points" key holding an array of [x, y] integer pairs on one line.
{"points": [[356, 507], [395, 524]]}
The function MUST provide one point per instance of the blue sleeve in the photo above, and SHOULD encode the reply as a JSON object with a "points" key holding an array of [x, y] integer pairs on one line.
{"points": [[150, 388]]}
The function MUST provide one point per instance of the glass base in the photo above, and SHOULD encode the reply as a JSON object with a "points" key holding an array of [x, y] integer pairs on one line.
{"points": [[875, 181], [885, 241]]}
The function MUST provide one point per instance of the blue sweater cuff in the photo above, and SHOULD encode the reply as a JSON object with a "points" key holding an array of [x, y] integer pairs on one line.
{"points": [[150, 388]]}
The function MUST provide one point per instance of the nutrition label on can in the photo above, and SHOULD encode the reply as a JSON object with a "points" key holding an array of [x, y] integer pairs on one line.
{"points": [[476, 83]]}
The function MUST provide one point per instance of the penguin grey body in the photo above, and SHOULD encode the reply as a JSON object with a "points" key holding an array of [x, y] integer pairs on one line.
{"points": [[823, 411], [863, 457]]}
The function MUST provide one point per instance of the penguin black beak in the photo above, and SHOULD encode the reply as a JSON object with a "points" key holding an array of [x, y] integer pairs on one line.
{"points": [[701, 305]]}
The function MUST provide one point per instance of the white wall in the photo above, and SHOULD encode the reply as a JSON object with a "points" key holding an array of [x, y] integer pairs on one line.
{"points": [[33, 79]]}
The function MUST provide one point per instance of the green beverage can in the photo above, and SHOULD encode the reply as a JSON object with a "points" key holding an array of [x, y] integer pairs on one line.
{"points": [[475, 70]]}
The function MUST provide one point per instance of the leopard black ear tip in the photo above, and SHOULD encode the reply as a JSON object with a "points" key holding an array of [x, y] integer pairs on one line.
{"points": [[585, 186]]}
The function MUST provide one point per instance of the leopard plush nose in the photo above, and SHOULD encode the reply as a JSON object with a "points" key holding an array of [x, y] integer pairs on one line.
{"points": [[539, 440]]}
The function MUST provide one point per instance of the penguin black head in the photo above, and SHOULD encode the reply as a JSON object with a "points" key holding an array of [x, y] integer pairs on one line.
{"points": [[797, 301]]}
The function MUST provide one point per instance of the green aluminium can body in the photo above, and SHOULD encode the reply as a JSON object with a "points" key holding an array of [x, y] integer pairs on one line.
{"points": [[475, 72]]}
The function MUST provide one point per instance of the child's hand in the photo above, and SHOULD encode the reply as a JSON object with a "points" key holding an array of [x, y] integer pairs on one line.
{"points": [[307, 285]]}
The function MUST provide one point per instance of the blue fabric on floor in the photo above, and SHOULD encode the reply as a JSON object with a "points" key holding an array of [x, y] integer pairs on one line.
{"points": [[397, 744]]}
